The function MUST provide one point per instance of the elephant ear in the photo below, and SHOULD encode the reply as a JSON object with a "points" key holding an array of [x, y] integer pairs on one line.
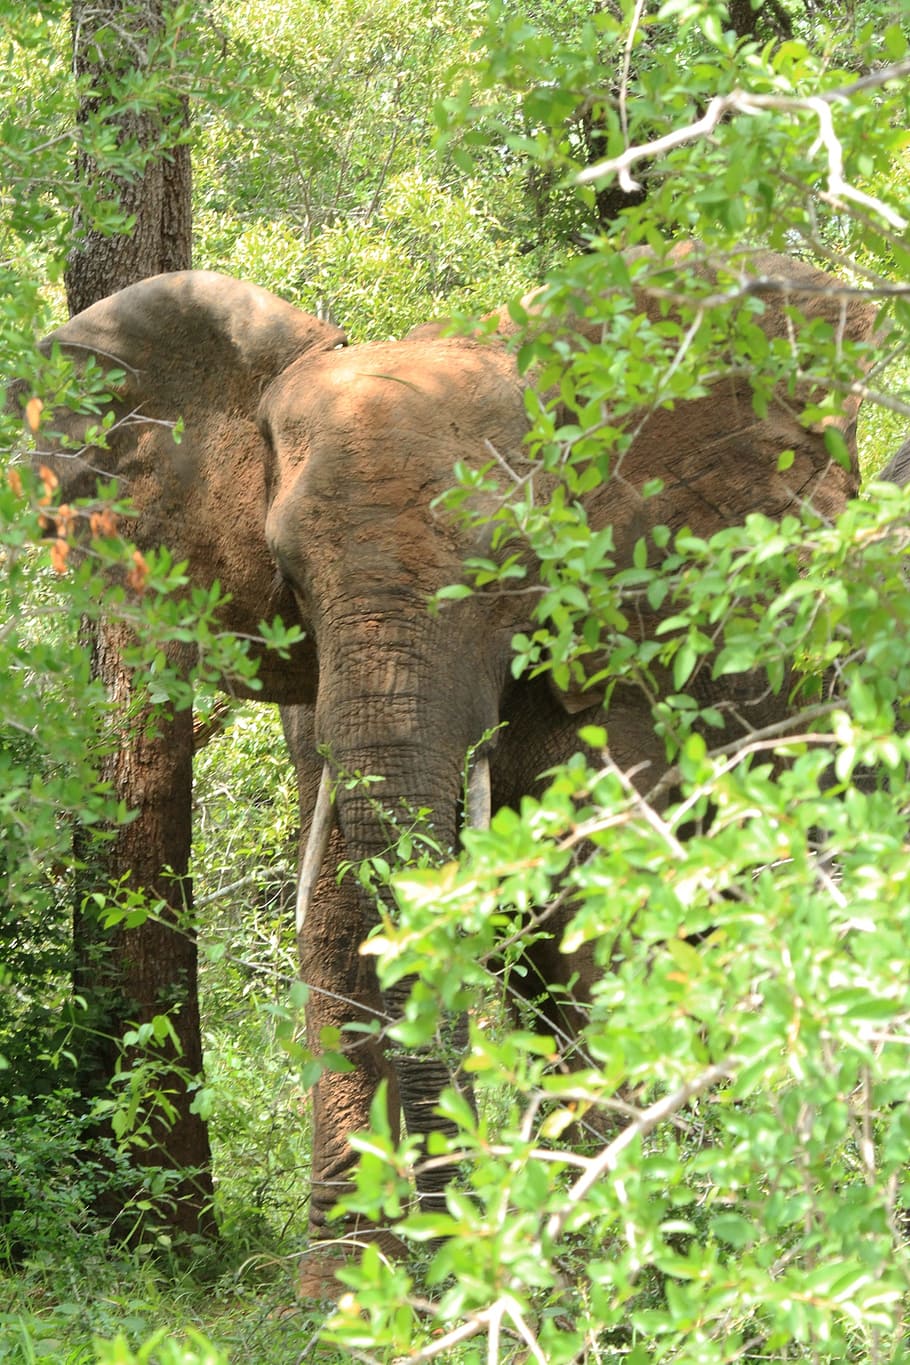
{"points": [[178, 318], [717, 459], [195, 348], [193, 345]]}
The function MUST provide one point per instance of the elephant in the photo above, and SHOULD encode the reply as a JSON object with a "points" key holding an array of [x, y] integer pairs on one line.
{"points": [[306, 483]]}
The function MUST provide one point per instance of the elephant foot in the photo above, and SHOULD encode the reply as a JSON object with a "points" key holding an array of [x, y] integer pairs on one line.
{"points": [[319, 1266]]}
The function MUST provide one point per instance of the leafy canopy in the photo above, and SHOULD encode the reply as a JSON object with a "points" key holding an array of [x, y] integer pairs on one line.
{"points": [[741, 1192]]}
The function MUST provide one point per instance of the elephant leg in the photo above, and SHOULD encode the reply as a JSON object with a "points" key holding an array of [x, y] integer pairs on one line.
{"points": [[540, 734], [422, 1076], [342, 990]]}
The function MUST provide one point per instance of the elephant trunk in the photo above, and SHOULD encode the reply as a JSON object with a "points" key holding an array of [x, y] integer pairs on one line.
{"points": [[372, 819], [396, 703], [477, 816], [390, 709], [373, 814]]}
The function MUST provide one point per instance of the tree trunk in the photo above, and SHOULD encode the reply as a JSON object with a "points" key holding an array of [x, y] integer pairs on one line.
{"points": [[133, 974], [159, 199], [768, 20]]}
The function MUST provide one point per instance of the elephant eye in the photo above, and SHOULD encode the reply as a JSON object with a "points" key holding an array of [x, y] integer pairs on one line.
{"points": [[265, 428]]}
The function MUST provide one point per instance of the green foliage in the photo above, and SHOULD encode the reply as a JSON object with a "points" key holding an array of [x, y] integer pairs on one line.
{"points": [[61, 567], [162, 1349], [328, 192], [43, 201], [47, 1188], [426, 251], [719, 1173], [244, 862], [744, 1067]]}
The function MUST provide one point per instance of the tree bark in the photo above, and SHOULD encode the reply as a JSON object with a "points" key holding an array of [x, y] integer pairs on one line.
{"points": [[131, 975], [159, 199], [768, 21]]}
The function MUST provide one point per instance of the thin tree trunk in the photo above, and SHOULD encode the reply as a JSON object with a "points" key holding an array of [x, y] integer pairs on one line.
{"points": [[160, 199], [133, 974], [130, 975]]}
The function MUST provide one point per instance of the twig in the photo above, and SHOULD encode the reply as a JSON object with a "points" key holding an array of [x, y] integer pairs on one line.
{"points": [[626, 68], [518, 479], [489, 1318], [882, 400], [463, 1332], [256, 878]]}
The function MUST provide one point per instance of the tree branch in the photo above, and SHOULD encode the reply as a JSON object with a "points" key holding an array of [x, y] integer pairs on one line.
{"points": [[648, 1120], [743, 102]]}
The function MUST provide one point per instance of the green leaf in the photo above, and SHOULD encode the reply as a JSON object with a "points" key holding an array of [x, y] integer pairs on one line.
{"points": [[895, 42], [733, 1229], [836, 447], [684, 662], [454, 592]]}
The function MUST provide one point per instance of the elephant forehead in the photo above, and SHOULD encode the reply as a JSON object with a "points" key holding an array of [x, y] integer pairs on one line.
{"points": [[362, 443], [391, 394], [338, 537]]}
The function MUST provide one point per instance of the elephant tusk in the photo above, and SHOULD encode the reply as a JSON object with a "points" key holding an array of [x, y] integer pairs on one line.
{"points": [[480, 800], [317, 843]]}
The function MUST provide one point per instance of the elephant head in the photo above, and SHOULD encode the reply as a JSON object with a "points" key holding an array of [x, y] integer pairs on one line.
{"points": [[199, 347], [406, 695], [354, 527]]}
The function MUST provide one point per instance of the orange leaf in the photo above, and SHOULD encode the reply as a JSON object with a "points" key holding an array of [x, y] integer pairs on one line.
{"points": [[138, 574], [50, 481], [59, 554], [33, 409], [14, 479], [66, 519], [103, 524]]}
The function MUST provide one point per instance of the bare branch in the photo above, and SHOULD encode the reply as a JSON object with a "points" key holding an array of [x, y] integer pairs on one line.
{"points": [[626, 67], [744, 102], [648, 1121]]}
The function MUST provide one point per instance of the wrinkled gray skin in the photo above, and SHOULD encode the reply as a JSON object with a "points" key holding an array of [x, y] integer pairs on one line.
{"points": [[897, 470], [304, 483]]}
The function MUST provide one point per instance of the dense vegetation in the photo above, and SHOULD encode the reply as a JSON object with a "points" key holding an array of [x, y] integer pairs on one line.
{"points": [[389, 162]]}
